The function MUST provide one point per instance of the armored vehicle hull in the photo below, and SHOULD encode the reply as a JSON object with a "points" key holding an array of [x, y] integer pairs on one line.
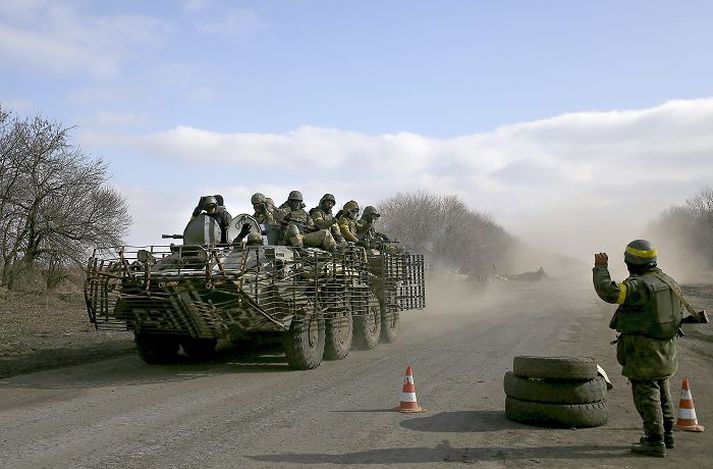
{"points": [[313, 303]]}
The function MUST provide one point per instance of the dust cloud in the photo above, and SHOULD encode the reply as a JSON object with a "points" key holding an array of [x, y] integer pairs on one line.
{"points": [[454, 302]]}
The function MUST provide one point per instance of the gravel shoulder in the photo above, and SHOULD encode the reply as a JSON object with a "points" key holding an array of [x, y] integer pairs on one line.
{"points": [[41, 330]]}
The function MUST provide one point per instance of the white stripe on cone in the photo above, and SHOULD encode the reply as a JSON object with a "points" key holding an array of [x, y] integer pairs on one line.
{"points": [[686, 395], [408, 397], [409, 379], [688, 414]]}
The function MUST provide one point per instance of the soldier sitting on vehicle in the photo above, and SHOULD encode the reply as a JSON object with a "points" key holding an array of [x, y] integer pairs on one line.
{"points": [[369, 237], [324, 219], [209, 204], [348, 223], [299, 229], [263, 214]]}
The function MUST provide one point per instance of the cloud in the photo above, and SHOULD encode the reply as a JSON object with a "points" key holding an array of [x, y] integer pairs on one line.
{"points": [[58, 38], [571, 182], [232, 22]]}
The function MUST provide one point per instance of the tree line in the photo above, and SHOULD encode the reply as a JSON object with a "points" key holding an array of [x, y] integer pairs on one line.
{"points": [[688, 229], [451, 235], [55, 202]]}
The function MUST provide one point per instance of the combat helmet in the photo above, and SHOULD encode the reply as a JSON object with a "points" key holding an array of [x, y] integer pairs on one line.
{"points": [[257, 198], [351, 205], [327, 197], [370, 210], [210, 200], [295, 195], [640, 252]]}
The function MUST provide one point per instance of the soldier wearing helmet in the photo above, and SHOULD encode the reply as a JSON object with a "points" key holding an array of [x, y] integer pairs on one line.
{"points": [[263, 213], [212, 206], [324, 218], [650, 311], [348, 223], [298, 227]]}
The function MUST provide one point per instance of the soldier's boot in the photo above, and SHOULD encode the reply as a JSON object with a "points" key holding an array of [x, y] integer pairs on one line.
{"points": [[668, 434], [650, 446]]}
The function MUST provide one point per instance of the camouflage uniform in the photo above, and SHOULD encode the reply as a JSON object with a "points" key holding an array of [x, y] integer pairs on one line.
{"points": [[348, 224], [324, 219], [300, 230], [647, 319], [263, 213]]}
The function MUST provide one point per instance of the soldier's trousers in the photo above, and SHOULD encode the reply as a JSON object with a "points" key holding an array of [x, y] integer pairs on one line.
{"points": [[652, 399]]}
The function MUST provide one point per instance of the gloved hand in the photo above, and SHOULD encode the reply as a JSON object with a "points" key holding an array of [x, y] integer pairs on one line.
{"points": [[199, 208], [244, 230], [601, 260]]}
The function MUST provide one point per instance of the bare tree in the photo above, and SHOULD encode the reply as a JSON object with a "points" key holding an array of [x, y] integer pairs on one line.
{"points": [[54, 200], [447, 230], [689, 229]]}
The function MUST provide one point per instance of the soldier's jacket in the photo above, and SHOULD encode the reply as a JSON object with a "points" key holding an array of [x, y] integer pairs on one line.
{"points": [[646, 346], [349, 228], [265, 218], [323, 219], [299, 217]]}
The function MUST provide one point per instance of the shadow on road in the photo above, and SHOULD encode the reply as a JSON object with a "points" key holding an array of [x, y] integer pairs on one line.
{"points": [[463, 421], [445, 453], [130, 370]]}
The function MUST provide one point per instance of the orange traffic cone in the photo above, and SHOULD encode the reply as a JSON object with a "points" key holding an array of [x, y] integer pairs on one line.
{"points": [[687, 419], [409, 403]]}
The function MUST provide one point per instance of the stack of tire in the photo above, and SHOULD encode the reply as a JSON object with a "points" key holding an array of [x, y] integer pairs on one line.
{"points": [[555, 392]]}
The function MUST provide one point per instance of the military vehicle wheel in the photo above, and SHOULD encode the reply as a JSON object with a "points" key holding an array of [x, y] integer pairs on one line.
{"points": [[367, 328], [389, 327], [199, 349], [157, 349], [338, 340], [304, 343]]}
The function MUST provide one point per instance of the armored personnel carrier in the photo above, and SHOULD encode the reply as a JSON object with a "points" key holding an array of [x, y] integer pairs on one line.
{"points": [[314, 304]]}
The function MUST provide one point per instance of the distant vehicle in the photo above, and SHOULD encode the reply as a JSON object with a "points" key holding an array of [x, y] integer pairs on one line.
{"points": [[313, 303]]}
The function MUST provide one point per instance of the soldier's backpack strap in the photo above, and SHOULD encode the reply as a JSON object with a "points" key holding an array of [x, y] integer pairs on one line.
{"points": [[699, 316]]}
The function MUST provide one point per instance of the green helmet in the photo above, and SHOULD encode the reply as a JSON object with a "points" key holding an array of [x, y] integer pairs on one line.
{"points": [[326, 197], [640, 252], [369, 210], [351, 205], [257, 198], [295, 195], [210, 200]]}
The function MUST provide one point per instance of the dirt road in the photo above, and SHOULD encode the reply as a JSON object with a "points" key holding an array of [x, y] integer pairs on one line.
{"points": [[256, 413]]}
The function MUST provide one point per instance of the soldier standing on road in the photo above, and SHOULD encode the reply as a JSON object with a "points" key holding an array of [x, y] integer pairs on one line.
{"points": [[216, 211], [647, 319]]}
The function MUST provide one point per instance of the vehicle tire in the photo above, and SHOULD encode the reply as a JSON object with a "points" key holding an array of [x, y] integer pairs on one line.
{"points": [[389, 327], [157, 349], [554, 392], [338, 337], [562, 368], [367, 328], [304, 342], [199, 349], [556, 415]]}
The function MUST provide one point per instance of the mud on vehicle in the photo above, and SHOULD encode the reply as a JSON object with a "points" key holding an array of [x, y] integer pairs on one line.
{"points": [[312, 303]]}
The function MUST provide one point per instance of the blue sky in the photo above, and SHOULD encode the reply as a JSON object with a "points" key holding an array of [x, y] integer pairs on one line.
{"points": [[494, 101]]}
